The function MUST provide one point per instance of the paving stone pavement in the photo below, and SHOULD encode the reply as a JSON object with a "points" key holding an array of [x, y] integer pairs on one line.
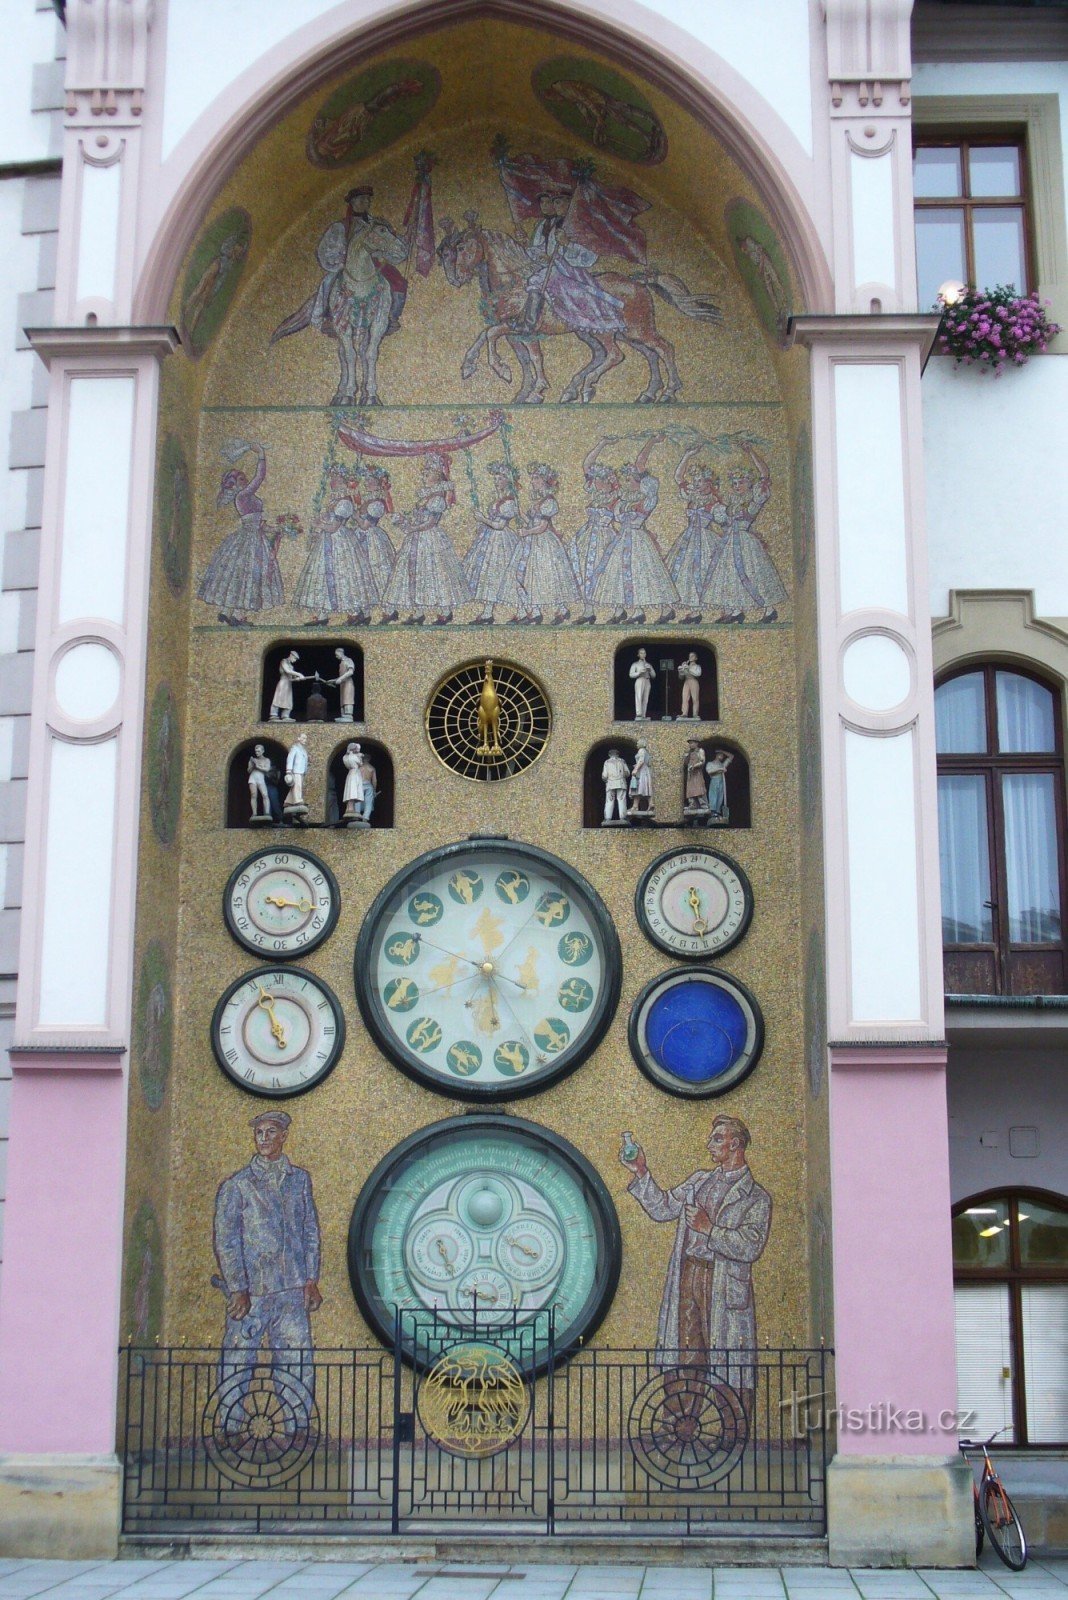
{"points": [[400, 1580]]}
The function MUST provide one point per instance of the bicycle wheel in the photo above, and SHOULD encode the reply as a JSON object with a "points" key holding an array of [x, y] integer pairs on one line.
{"points": [[979, 1536], [1002, 1525]]}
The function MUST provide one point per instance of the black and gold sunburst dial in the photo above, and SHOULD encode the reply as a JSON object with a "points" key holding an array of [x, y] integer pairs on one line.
{"points": [[488, 720]]}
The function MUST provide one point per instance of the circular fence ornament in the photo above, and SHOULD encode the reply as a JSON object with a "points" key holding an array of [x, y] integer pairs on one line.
{"points": [[473, 1401], [488, 720], [261, 1426], [687, 1429]]}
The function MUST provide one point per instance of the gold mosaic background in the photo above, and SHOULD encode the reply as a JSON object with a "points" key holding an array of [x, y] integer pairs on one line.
{"points": [[736, 377]]}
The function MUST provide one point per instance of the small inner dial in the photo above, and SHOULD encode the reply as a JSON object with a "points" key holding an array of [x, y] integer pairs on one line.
{"points": [[440, 1250], [276, 1027], [486, 1293], [529, 1250], [487, 970]]}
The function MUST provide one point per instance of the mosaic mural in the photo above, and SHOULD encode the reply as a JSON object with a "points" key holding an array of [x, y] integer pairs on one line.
{"points": [[164, 764], [154, 1025], [212, 277], [469, 345]]}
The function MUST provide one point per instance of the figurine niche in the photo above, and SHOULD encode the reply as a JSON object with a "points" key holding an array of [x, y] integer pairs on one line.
{"points": [[690, 673], [716, 768], [259, 765], [694, 794], [282, 701], [615, 775], [642, 803], [296, 807], [642, 674], [345, 685], [358, 797]]}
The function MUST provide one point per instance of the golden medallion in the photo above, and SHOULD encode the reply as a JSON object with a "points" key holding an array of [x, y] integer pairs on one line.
{"points": [[473, 1401]]}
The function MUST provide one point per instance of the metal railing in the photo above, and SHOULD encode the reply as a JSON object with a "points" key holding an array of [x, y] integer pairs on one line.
{"points": [[344, 1441]]}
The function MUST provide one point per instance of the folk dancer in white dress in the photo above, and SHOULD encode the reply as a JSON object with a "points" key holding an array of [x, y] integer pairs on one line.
{"points": [[691, 557], [598, 533], [642, 803], [282, 699], [690, 673], [488, 559], [633, 574], [375, 501], [243, 575], [336, 577], [744, 577], [345, 683], [642, 674], [539, 576], [427, 575], [717, 785], [615, 775], [259, 765]]}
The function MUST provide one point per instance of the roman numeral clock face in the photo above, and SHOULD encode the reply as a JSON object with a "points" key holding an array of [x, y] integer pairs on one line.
{"points": [[278, 1031], [487, 969]]}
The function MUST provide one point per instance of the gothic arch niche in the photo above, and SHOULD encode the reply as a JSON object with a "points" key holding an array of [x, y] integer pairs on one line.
{"points": [[412, 513]]}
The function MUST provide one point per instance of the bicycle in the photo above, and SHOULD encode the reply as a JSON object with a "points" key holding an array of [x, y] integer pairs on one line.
{"points": [[995, 1514]]}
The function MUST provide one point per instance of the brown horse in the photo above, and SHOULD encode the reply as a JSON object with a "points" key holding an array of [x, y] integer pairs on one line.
{"points": [[502, 266]]}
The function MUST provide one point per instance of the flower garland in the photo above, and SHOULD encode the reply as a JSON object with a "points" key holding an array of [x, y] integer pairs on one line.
{"points": [[994, 328]]}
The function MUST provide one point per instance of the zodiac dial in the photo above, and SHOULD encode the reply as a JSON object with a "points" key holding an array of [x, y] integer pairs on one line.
{"points": [[484, 1222], [487, 969], [694, 903], [281, 903], [278, 1031]]}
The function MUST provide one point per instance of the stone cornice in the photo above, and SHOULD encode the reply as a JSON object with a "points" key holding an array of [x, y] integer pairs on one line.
{"points": [[863, 328], [61, 343]]}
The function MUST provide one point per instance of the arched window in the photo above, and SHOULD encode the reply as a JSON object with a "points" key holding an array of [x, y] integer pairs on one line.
{"points": [[1001, 832], [1010, 1270]]}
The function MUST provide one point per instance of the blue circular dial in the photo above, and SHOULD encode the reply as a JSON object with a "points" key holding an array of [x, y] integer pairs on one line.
{"points": [[696, 1032]]}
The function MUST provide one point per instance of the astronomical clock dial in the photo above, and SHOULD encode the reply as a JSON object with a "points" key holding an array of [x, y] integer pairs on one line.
{"points": [[278, 1031], [694, 903], [483, 1222], [487, 969], [696, 1032], [281, 903]]}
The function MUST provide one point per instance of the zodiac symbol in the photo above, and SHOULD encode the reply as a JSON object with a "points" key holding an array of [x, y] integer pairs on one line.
{"points": [[400, 994], [552, 908], [575, 949], [403, 949], [465, 886], [575, 994], [425, 911], [512, 886], [511, 1055], [464, 1059], [424, 1034], [550, 1035]]}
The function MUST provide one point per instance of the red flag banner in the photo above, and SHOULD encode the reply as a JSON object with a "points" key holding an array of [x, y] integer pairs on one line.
{"points": [[369, 444], [600, 216], [419, 217]]}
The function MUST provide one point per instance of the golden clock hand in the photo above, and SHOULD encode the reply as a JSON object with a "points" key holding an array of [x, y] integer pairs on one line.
{"points": [[281, 903], [278, 1032], [443, 1253], [693, 900], [517, 1244]]}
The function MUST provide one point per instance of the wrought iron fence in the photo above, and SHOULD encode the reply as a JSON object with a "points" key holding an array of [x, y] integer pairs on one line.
{"points": [[342, 1441]]}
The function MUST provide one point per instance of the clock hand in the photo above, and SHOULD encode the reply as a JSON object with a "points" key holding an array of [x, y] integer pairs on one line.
{"points": [[443, 1253], [280, 902], [278, 1032], [469, 960], [538, 1054], [693, 900], [517, 1244]]}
